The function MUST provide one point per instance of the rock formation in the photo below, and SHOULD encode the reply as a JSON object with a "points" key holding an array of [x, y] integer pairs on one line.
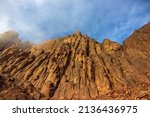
{"points": [[75, 67]]}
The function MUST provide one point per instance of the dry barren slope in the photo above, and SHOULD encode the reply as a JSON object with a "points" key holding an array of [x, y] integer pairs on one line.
{"points": [[76, 67]]}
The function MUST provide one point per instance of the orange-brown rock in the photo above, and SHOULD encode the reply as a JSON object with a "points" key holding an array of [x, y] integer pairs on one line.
{"points": [[75, 67]]}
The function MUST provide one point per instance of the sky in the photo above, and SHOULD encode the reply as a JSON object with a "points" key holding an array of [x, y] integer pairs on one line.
{"points": [[39, 20]]}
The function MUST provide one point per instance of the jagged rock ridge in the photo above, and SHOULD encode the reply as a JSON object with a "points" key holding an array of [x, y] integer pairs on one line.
{"points": [[76, 67]]}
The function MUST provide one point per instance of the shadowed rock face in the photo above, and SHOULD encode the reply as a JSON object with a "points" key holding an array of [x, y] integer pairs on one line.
{"points": [[76, 67]]}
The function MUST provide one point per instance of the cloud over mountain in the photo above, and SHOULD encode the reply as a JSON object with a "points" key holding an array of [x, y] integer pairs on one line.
{"points": [[36, 20]]}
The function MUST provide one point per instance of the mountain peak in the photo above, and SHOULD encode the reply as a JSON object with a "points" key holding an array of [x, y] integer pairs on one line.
{"points": [[77, 67], [10, 33], [139, 40], [78, 33]]}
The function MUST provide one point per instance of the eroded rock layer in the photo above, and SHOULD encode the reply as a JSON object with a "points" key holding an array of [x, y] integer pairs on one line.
{"points": [[75, 67]]}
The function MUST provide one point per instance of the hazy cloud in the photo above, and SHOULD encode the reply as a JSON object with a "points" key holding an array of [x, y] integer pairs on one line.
{"points": [[37, 20]]}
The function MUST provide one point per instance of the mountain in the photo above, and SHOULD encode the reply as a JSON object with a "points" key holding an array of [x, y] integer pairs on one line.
{"points": [[75, 67]]}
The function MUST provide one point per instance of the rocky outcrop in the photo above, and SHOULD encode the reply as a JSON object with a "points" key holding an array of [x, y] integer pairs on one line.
{"points": [[77, 67]]}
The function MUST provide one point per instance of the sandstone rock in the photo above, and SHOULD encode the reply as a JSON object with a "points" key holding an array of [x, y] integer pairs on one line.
{"points": [[76, 67]]}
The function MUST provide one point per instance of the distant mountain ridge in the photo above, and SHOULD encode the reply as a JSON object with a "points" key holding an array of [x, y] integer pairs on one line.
{"points": [[75, 67]]}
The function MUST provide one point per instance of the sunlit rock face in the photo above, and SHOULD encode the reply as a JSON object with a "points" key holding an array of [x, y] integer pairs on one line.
{"points": [[75, 67]]}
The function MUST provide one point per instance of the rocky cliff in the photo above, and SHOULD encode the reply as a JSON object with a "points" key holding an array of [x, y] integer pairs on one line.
{"points": [[75, 67]]}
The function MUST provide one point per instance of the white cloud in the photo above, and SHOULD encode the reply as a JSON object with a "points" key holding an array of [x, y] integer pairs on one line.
{"points": [[40, 19], [3, 24], [40, 2]]}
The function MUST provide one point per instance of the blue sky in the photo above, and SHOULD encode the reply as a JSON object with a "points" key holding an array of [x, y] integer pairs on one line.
{"points": [[37, 20]]}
